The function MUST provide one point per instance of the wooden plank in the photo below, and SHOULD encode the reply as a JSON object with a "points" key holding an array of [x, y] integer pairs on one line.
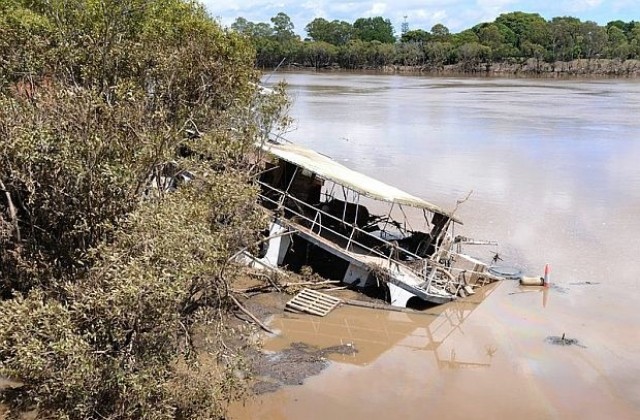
{"points": [[315, 297], [313, 301], [318, 299], [304, 306], [321, 304]]}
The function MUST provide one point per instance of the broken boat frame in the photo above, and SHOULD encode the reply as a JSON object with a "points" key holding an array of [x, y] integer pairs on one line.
{"points": [[318, 219]]}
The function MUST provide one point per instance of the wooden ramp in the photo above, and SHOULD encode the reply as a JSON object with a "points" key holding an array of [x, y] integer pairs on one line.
{"points": [[312, 302]]}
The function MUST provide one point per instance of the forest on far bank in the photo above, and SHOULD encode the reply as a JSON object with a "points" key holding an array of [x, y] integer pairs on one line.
{"points": [[371, 42]]}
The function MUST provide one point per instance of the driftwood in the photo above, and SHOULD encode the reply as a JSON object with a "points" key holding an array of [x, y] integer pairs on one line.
{"points": [[310, 283], [284, 285], [252, 316]]}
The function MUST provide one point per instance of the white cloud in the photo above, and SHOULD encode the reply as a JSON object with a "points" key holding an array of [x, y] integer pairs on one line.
{"points": [[377, 9], [582, 5], [591, 3], [488, 10], [345, 7], [316, 7]]}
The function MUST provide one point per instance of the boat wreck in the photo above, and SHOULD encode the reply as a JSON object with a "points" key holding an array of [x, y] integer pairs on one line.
{"points": [[350, 227]]}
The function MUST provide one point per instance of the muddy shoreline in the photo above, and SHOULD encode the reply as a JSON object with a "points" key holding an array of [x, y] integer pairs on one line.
{"points": [[529, 68], [292, 365], [298, 360]]}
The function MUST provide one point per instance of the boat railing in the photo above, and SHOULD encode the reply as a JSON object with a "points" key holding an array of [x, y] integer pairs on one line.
{"points": [[280, 198]]}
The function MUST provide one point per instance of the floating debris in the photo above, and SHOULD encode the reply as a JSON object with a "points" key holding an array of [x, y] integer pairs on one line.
{"points": [[531, 281], [509, 273], [313, 302], [563, 341], [585, 283], [557, 288]]}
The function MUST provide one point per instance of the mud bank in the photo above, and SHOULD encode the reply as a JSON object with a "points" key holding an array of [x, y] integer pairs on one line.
{"points": [[294, 363], [271, 370], [583, 67], [530, 67]]}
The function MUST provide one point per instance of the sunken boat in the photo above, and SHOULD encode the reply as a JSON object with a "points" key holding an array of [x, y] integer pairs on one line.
{"points": [[347, 226]]}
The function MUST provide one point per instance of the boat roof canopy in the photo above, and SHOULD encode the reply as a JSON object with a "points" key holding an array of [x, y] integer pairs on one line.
{"points": [[327, 168]]}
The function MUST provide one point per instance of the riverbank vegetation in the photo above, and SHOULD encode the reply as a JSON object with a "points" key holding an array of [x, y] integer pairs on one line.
{"points": [[512, 38], [105, 106]]}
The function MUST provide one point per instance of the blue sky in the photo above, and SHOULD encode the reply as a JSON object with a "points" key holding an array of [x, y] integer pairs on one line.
{"points": [[421, 14]]}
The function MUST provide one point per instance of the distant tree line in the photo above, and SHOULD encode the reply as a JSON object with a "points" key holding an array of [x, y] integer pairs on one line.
{"points": [[371, 42]]}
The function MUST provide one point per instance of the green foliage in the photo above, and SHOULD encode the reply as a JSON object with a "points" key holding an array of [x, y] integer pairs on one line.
{"points": [[472, 53], [111, 348], [465, 37], [634, 39], [283, 27], [374, 29], [565, 33], [23, 35], [593, 39], [41, 347], [439, 53], [253, 30], [319, 54], [617, 47], [417, 35], [354, 54], [511, 36], [440, 32], [104, 274], [409, 54], [273, 44], [526, 26], [335, 32]]}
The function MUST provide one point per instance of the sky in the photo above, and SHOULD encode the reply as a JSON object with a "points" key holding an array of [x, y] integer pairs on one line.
{"points": [[456, 15]]}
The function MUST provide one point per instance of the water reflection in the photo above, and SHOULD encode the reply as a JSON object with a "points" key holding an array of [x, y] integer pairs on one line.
{"points": [[373, 333]]}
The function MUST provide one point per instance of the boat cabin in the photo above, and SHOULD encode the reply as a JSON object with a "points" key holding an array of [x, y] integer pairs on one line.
{"points": [[350, 227]]}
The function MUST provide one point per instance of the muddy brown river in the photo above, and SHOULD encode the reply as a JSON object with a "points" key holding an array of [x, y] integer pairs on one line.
{"points": [[554, 166]]}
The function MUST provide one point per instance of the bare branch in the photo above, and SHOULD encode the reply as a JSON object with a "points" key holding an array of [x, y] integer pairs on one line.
{"points": [[250, 315], [12, 211]]}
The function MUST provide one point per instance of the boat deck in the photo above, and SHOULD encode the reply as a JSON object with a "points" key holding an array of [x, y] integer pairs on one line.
{"points": [[402, 276]]}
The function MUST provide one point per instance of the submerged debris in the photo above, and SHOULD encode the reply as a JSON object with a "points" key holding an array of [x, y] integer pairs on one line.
{"points": [[557, 288], [292, 365], [585, 283], [509, 273], [563, 341]]}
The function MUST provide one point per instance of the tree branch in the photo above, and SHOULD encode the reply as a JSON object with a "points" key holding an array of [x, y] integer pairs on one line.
{"points": [[12, 211], [252, 316]]}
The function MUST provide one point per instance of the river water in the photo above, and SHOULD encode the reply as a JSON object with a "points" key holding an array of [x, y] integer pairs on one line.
{"points": [[554, 170]]}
